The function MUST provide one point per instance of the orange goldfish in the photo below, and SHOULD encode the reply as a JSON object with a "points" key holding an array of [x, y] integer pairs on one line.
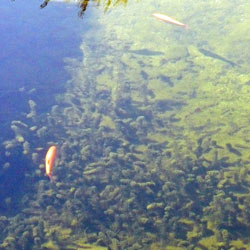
{"points": [[49, 161], [168, 19]]}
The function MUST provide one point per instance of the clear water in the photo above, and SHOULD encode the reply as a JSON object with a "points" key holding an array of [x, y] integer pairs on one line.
{"points": [[150, 121]]}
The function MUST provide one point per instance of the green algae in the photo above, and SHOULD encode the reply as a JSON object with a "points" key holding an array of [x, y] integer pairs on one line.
{"points": [[50, 245], [174, 248], [107, 122], [157, 137], [239, 244], [181, 172], [210, 243]]}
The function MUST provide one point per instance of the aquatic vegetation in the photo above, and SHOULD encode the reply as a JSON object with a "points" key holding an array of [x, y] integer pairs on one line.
{"points": [[32, 112], [153, 148], [50, 245]]}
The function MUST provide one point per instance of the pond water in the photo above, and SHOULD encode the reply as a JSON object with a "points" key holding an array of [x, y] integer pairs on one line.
{"points": [[150, 119]]}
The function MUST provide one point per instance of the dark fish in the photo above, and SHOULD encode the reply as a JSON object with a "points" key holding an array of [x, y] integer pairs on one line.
{"points": [[166, 79], [144, 75], [233, 150], [216, 56], [146, 52]]}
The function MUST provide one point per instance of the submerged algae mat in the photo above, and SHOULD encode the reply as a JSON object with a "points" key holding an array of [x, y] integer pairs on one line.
{"points": [[153, 146]]}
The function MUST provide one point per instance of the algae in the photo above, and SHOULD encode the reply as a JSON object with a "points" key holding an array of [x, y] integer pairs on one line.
{"points": [[153, 138]]}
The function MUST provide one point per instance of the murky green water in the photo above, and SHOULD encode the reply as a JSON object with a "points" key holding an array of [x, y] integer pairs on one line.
{"points": [[152, 135]]}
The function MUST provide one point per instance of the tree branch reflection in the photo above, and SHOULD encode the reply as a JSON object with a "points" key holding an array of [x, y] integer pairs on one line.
{"points": [[83, 4]]}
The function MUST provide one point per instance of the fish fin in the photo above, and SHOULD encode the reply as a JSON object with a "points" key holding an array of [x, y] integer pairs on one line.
{"points": [[52, 179]]}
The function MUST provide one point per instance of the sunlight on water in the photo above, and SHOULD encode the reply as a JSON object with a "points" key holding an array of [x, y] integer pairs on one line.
{"points": [[151, 129]]}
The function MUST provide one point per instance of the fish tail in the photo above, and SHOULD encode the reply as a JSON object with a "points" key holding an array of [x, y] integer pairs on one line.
{"points": [[52, 179]]}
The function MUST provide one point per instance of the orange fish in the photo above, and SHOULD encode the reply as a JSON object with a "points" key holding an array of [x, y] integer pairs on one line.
{"points": [[49, 161], [168, 19]]}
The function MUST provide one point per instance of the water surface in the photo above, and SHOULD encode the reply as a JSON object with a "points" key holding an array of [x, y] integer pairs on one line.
{"points": [[150, 122]]}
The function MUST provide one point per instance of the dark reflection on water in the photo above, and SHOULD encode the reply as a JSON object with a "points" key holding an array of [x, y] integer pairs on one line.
{"points": [[83, 4]]}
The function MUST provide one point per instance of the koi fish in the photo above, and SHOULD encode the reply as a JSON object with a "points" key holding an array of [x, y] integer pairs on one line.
{"points": [[168, 19], [49, 161]]}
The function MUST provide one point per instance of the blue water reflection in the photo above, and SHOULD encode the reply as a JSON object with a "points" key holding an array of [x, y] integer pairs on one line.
{"points": [[33, 44]]}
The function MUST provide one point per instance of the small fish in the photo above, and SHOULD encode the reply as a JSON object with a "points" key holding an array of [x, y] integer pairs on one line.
{"points": [[168, 19], [216, 56], [49, 161], [146, 52], [233, 150]]}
